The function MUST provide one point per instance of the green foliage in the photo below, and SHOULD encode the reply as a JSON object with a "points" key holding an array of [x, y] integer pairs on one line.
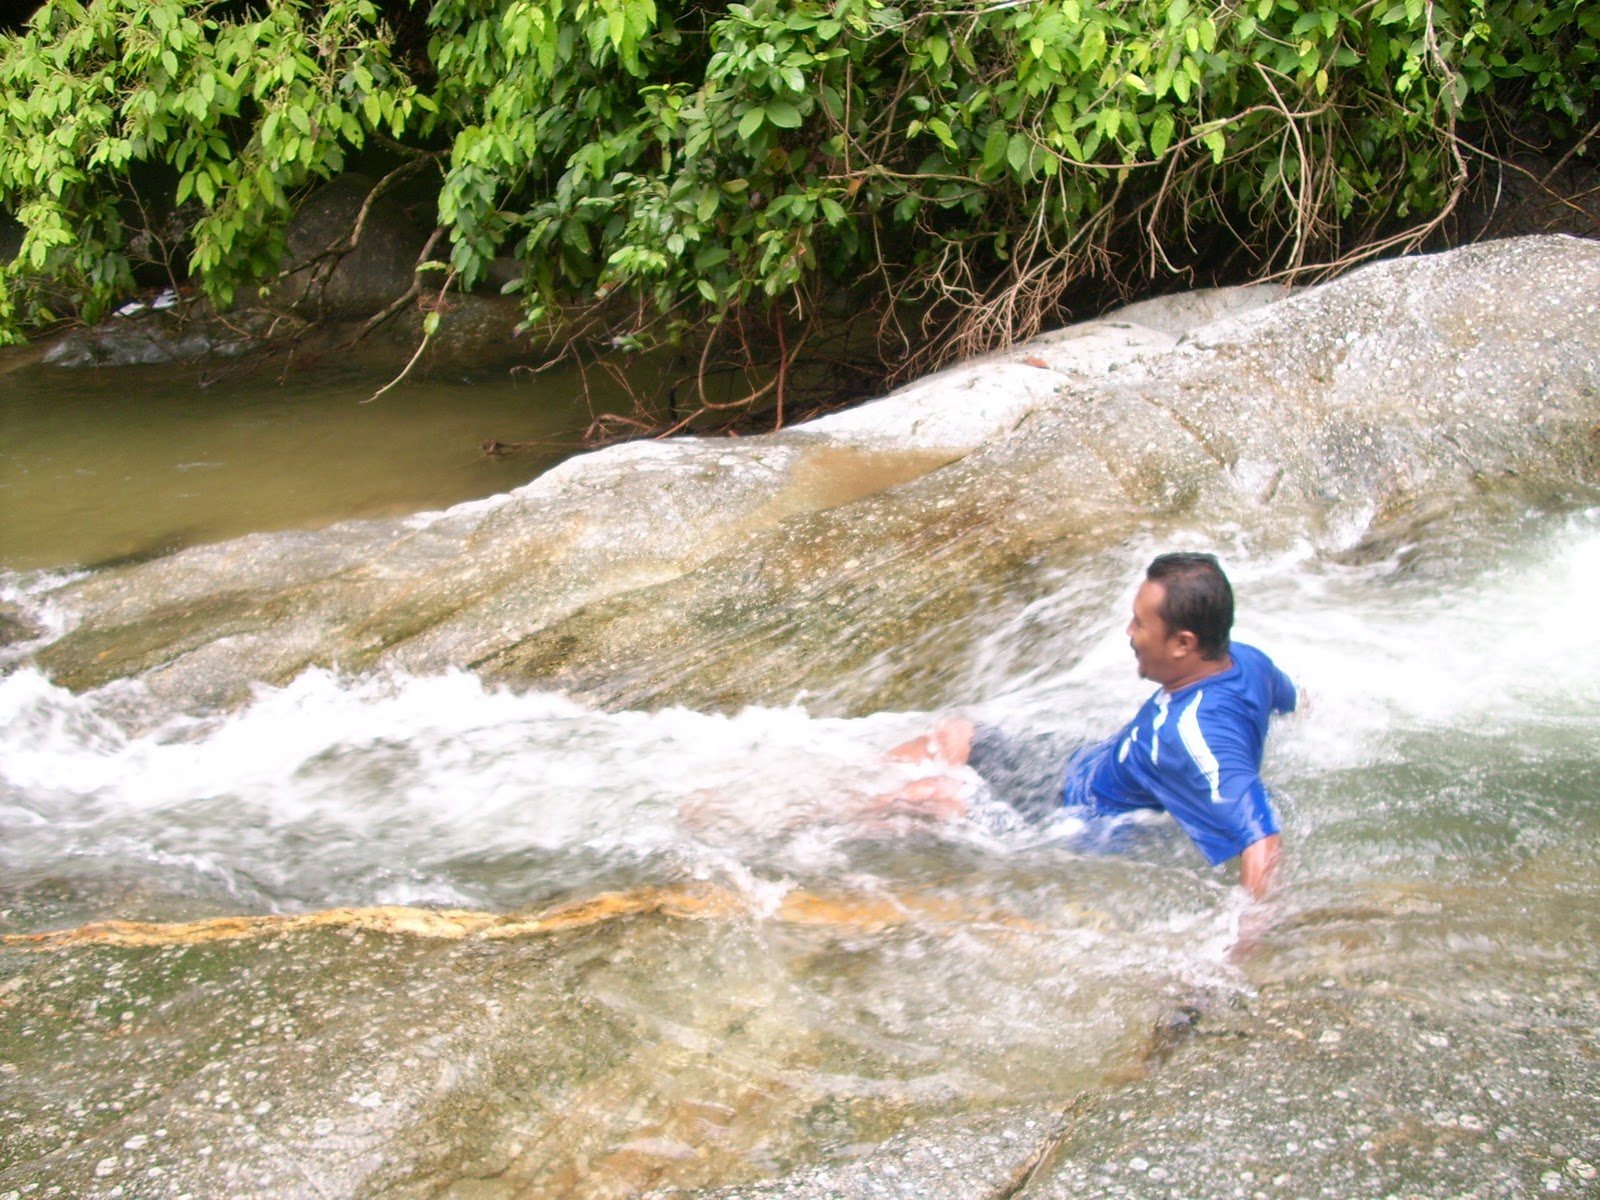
{"points": [[706, 160], [234, 115]]}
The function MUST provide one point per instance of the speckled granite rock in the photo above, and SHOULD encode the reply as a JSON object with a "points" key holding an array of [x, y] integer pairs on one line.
{"points": [[986, 1156]]}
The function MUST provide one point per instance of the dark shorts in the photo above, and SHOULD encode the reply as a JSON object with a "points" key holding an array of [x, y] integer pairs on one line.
{"points": [[1024, 770]]}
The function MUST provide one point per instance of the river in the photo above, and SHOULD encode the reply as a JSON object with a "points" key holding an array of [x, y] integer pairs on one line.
{"points": [[823, 979], [107, 465]]}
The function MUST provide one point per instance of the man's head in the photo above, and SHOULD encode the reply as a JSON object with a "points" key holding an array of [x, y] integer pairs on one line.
{"points": [[1182, 616]]}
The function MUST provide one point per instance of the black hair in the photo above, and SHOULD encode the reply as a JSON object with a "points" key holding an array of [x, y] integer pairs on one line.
{"points": [[1198, 598]]}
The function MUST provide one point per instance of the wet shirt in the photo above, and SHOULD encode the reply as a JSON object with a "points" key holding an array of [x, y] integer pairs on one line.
{"points": [[1196, 753]]}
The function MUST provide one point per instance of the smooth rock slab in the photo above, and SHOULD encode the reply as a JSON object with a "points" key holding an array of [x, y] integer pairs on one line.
{"points": [[988, 1156], [1497, 1105], [837, 560]]}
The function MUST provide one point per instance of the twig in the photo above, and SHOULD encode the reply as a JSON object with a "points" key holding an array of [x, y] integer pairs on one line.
{"points": [[421, 346], [783, 361], [1567, 157], [428, 329]]}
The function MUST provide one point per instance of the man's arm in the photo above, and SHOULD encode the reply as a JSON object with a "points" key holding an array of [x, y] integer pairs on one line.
{"points": [[1258, 865]]}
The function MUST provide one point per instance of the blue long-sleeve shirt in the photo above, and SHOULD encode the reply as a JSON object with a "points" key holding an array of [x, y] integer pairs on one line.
{"points": [[1196, 753]]}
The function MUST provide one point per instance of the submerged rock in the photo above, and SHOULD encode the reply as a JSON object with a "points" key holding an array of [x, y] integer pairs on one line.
{"points": [[850, 548], [346, 260]]}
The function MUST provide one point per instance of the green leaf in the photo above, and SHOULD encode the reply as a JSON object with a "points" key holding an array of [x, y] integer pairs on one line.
{"points": [[995, 147], [1161, 130], [784, 114], [1092, 47], [751, 122], [710, 256], [1216, 143], [1019, 150]]}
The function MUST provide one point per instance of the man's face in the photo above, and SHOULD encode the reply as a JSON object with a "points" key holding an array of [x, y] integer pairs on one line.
{"points": [[1158, 652]]}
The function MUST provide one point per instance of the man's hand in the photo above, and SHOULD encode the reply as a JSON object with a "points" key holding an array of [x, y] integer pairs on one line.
{"points": [[1258, 865]]}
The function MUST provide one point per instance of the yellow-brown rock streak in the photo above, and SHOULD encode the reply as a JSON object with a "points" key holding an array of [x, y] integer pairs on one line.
{"points": [[688, 902]]}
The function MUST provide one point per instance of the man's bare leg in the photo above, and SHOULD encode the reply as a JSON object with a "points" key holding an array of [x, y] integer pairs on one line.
{"points": [[934, 796], [949, 743], [937, 796]]}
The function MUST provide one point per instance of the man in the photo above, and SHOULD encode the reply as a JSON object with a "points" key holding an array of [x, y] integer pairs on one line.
{"points": [[1194, 748]]}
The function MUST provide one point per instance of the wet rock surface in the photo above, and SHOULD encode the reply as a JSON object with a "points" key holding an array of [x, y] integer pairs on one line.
{"points": [[324, 1058], [1361, 1090], [316, 1058], [350, 254], [987, 1157], [1352, 414], [152, 338]]}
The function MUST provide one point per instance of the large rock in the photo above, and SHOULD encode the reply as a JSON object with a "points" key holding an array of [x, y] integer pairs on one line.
{"points": [[327, 276], [718, 573]]}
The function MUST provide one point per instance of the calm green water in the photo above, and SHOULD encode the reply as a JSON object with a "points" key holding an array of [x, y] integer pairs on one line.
{"points": [[102, 465]]}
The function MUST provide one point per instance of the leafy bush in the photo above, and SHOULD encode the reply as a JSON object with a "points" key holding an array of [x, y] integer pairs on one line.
{"points": [[970, 158]]}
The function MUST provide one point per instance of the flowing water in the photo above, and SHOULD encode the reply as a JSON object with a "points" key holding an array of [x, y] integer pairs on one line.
{"points": [[844, 972]]}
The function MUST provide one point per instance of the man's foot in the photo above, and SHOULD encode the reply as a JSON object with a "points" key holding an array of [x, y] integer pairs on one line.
{"points": [[949, 743], [936, 797]]}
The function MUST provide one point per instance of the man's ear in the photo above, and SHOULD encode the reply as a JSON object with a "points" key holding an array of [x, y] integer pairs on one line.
{"points": [[1186, 641]]}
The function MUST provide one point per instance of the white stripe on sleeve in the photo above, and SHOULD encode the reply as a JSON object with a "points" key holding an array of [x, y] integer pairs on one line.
{"points": [[1194, 741], [1155, 727]]}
